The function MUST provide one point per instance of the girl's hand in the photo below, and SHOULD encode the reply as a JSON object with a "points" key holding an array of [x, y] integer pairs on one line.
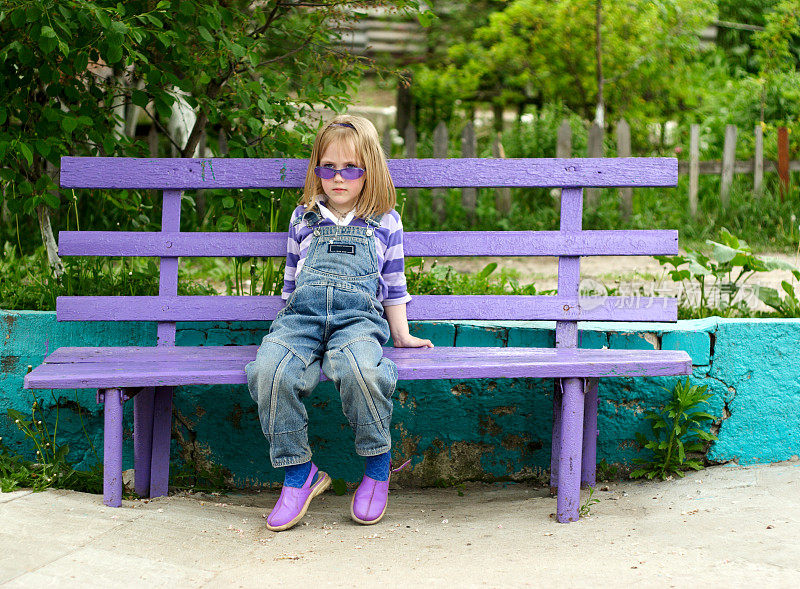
{"points": [[409, 341], [398, 327]]}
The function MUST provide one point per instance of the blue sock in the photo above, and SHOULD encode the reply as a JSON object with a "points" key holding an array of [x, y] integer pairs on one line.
{"points": [[296, 474], [378, 466]]}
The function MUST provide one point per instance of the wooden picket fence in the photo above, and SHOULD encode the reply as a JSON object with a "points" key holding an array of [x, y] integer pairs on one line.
{"points": [[724, 168]]}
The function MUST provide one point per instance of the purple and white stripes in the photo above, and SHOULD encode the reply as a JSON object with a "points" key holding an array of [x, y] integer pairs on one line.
{"points": [[388, 246]]}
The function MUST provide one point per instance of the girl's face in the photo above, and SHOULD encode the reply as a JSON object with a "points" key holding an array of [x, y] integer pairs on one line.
{"points": [[343, 194]]}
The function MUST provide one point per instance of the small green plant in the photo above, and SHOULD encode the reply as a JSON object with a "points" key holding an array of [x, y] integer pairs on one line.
{"points": [[339, 486], [199, 478], [51, 467], [445, 280], [788, 306], [270, 273], [607, 472], [676, 431], [586, 508], [729, 265], [29, 283]]}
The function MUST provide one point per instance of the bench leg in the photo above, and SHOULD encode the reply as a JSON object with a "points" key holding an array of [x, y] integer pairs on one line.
{"points": [[112, 446], [569, 463], [589, 456], [143, 439], [162, 432], [555, 444]]}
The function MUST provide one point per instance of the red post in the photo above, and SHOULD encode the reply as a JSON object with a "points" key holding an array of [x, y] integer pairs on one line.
{"points": [[783, 160]]}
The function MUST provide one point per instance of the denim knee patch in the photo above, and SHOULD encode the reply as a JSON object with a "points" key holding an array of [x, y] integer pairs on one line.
{"points": [[278, 383]]}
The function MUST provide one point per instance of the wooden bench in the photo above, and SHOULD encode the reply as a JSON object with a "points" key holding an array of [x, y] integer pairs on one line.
{"points": [[149, 374]]}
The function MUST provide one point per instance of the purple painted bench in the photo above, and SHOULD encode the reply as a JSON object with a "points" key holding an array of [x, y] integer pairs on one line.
{"points": [[150, 374]]}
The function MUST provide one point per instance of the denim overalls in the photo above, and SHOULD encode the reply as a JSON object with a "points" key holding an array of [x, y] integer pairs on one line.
{"points": [[333, 316]]}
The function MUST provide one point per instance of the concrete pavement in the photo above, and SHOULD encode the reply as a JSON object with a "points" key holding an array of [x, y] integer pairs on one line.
{"points": [[722, 527]]}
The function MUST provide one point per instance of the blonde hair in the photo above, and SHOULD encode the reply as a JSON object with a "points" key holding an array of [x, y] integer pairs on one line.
{"points": [[378, 195]]}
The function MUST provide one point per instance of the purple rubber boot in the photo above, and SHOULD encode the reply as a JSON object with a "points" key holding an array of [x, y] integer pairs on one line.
{"points": [[371, 498], [293, 502]]}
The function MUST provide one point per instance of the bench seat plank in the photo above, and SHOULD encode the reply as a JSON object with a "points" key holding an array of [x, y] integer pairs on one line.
{"points": [[173, 366]]}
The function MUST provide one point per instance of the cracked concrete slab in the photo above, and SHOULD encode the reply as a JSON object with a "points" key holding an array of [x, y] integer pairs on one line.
{"points": [[10, 496], [727, 525]]}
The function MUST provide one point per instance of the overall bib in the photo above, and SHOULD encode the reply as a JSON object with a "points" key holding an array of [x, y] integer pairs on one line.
{"points": [[333, 319]]}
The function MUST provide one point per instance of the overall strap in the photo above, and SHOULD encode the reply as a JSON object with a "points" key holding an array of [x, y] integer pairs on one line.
{"points": [[311, 217]]}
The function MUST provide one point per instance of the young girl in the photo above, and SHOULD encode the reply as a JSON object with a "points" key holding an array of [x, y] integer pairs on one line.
{"points": [[346, 292]]}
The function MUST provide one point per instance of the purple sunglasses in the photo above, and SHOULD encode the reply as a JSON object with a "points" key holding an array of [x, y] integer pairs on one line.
{"points": [[347, 173]]}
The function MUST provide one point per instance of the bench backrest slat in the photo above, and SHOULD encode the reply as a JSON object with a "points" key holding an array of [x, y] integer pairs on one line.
{"points": [[423, 307], [185, 174], [416, 244]]}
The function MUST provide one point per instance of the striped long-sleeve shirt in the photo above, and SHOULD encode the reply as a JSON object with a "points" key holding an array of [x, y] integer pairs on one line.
{"points": [[388, 247]]}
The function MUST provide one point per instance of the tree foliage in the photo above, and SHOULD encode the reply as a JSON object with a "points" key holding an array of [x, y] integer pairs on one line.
{"points": [[738, 31], [72, 72], [753, 77], [537, 52]]}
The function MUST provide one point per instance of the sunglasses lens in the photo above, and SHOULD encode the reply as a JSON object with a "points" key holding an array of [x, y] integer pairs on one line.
{"points": [[352, 173], [324, 173], [330, 173]]}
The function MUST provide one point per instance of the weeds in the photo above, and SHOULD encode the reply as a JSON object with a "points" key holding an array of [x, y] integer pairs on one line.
{"points": [[339, 486], [444, 280], [585, 509], [607, 472], [788, 306], [675, 432], [51, 468], [199, 478]]}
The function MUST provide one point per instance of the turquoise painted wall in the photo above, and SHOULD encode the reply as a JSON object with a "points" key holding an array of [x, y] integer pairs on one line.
{"points": [[454, 430]]}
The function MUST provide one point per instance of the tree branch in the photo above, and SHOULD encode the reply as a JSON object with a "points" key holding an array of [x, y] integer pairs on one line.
{"points": [[212, 91], [270, 19], [163, 130], [290, 53]]}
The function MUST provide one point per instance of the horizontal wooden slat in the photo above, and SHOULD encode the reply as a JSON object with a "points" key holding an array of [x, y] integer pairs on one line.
{"points": [[422, 307], [739, 166], [168, 244], [173, 366], [185, 173], [541, 243], [422, 243]]}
